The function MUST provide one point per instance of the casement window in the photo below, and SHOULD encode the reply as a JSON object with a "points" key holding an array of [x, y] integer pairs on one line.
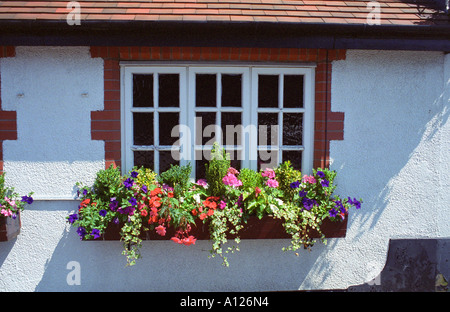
{"points": [[173, 114]]}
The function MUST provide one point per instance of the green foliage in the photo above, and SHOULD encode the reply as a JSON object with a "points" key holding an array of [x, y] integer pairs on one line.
{"points": [[216, 169], [107, 183], [177, 177], [286, 174]]}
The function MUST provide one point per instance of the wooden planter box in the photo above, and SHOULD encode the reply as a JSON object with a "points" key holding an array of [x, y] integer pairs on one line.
{"points": [[266, 228], [9, 228]]}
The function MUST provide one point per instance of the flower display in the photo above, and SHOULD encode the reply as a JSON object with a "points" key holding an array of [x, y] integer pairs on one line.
{"points": [[10, 204], [169, 204]]}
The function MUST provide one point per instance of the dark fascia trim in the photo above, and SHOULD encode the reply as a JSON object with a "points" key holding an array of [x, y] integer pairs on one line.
{"points": [[237, 34]]}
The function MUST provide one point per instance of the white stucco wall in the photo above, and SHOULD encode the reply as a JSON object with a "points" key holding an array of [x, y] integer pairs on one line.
{"points": [[53, 149], [394, 155]]}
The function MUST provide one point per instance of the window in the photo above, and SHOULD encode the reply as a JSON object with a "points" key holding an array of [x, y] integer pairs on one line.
{"points": [[262, 116]]}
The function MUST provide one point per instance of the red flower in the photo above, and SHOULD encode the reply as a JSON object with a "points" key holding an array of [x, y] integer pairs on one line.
{"points": [[194, 212], [155, 192], [170, 194], [176, 240], [189, 240], [161, 230], [210, 212], [202, 216]]}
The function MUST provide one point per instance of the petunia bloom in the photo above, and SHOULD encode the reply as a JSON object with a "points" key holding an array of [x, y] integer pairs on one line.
{"points": [[325, 183], [102, 212], [128, 183], [320, 174], [73, 218], [295, 184]]}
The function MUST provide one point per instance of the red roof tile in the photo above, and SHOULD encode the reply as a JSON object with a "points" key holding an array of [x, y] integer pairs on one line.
{"points": [[402, 12]]}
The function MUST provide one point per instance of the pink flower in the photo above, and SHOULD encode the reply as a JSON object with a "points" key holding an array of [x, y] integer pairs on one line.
{"points": [[6, 212], [176, 240], [202, 182], [161, 230], [272, 183], [231, 180], [270, 173], [222, 204], [309, 179], [257, 191], [232, 171]]}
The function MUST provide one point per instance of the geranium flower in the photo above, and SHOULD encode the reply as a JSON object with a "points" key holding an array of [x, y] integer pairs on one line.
{"points": [[272, 183], [269, 173], [309, 179], [202, 216], [232, 170], [156, 192], [257, 191], [222, 204], [231, 180], [161, 230], [202, 182]]}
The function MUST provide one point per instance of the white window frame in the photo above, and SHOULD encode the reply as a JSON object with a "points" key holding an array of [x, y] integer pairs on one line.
{"points": [[187, 107]]}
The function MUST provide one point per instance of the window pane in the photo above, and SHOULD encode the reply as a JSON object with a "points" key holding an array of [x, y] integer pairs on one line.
{"points": [[166, 159], [202, 158], [231, 128], [235, 158], [144, 158], [295, 157], [232, 90], [169, 90], [143, 90], [268, 91], [167, 122], [205, 90], [292, 128], [143, 128], [268, 128], [293, 91], [267, 159], [205, 128]]}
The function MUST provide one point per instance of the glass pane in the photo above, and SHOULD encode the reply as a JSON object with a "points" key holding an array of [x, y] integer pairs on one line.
{"points": [[205, 128], [232, 90], [143, 128], [293, 91], [142, 90], [235, 158], [231, 128], [268, 91], [166, 159], [167, 123], [267, 159], [169, 90], [202, 158], [144, 158], [205, 90], [268, 129], [295, 157], [292, 128]]}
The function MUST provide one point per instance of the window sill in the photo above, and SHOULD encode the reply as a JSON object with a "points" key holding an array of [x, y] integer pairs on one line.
{"points": [[266, 228]]}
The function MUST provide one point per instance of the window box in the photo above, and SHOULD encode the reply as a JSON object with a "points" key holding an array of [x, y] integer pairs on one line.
{"points": [[255, 228], [9, 228]]}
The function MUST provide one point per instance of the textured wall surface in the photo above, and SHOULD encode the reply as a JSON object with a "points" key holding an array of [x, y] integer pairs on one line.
{"points": [[394, 150], [54, 148]]}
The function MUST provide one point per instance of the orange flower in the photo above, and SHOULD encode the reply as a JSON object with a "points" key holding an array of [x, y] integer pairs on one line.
{"points": [[202, 216], [194, 212], [170, 194], [155, 192], [210, 212], [176, 240]]}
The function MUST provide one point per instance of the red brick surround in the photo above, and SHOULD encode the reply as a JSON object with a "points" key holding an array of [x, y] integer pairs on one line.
{"points": [[106, 124], [8, 122]]}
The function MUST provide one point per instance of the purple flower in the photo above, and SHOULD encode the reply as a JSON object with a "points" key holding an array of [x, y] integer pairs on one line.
{"points": [[128, 183], [113, 204], [320, 174], [116, 220], [222, 204], [85, 192], [81, 232], [354, 202], [202, 182], [95, 233], [102, 212], [132, 201], [302, 193], [127, 210], [332, 212], [134, 174], [338, 204], [73, 218], [325, 183], [27, 199], [295, 184], [144, 189], [308, 203]]}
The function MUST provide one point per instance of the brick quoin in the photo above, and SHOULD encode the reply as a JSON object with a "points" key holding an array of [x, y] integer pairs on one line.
{"points": [[8, 119], [105, 124]]}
